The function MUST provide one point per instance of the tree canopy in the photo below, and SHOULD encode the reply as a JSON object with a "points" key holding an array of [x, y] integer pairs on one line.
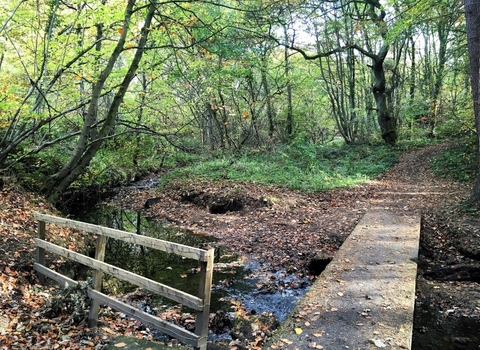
{"points": [[89, 85]]}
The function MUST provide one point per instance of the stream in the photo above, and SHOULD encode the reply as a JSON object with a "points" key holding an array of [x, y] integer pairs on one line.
{"points": [[234, 280], [439, 331], [237, 281]]}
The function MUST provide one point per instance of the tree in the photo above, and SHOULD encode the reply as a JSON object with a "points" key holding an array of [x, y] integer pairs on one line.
{"points": [[375, 46], [437, 23], [88, 144], [87, 80], [338, 72], [386, 121], [472, 16], [87, 59]]}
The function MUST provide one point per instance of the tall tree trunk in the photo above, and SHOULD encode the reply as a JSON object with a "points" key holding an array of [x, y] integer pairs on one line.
{"points": [[472, 16], [225, 140], [352, 114], [443, 32], [209, 135], [86, 148], [289, 126], [413, 71], [42, 73], [268, 97], [388, 125], [143, 97], [386, 121]]}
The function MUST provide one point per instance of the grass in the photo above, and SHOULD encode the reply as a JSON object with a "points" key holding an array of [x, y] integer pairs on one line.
{"points": [[299, 166]]}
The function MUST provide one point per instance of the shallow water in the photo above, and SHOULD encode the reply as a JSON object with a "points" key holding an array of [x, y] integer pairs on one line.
{"points": [[440, 331], [233, 279]]}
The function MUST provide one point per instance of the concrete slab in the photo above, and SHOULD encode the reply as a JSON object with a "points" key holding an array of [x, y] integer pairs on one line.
{"points": [[365, 297]]}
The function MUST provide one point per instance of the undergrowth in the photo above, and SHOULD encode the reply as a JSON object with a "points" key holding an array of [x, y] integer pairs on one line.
{"points": [[72, 301], [300, 165], [457, 163]]}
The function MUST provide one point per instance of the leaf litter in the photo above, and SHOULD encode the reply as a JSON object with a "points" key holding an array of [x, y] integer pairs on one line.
{"points": [[282, 230]]}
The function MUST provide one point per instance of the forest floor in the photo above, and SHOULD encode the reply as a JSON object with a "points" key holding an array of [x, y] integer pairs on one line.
{"points": [[282, 230]]}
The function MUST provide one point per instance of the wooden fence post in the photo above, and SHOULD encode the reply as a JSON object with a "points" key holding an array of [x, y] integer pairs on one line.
{"points": [[205, 291], [200, 302], [97, 281], [41, 251]]}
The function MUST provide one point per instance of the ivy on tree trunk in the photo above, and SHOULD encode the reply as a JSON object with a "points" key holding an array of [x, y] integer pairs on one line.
{"points": [[387, 123]]}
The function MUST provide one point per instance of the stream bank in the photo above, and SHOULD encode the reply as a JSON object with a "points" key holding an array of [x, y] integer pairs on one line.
{"points": [[284, 235], [286, 230]]}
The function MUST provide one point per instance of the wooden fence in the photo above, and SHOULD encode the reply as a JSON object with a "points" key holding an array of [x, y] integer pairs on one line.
{"points": [[200, 303]]}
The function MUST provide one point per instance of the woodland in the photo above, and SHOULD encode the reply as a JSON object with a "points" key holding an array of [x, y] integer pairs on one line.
{"points": [[266, 124], [100, 93]]}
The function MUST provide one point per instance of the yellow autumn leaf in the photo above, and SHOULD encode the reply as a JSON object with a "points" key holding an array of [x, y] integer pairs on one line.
{"points": [[298, 330], [192, 22]]}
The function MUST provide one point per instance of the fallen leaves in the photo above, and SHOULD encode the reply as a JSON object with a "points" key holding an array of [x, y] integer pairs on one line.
{"points": [[282, 229], [284, 234], [21, 325], [314, 345]]}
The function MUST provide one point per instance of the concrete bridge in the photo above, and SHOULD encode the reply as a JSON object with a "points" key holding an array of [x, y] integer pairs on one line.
{"points": [[365, 298]]}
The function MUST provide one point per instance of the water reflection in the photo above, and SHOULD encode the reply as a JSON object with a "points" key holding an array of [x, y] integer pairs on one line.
{"points": [[231, 279], [167, 268]]}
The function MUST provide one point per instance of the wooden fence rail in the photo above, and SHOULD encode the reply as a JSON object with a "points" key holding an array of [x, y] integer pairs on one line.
{"points": [[200, 303]]}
